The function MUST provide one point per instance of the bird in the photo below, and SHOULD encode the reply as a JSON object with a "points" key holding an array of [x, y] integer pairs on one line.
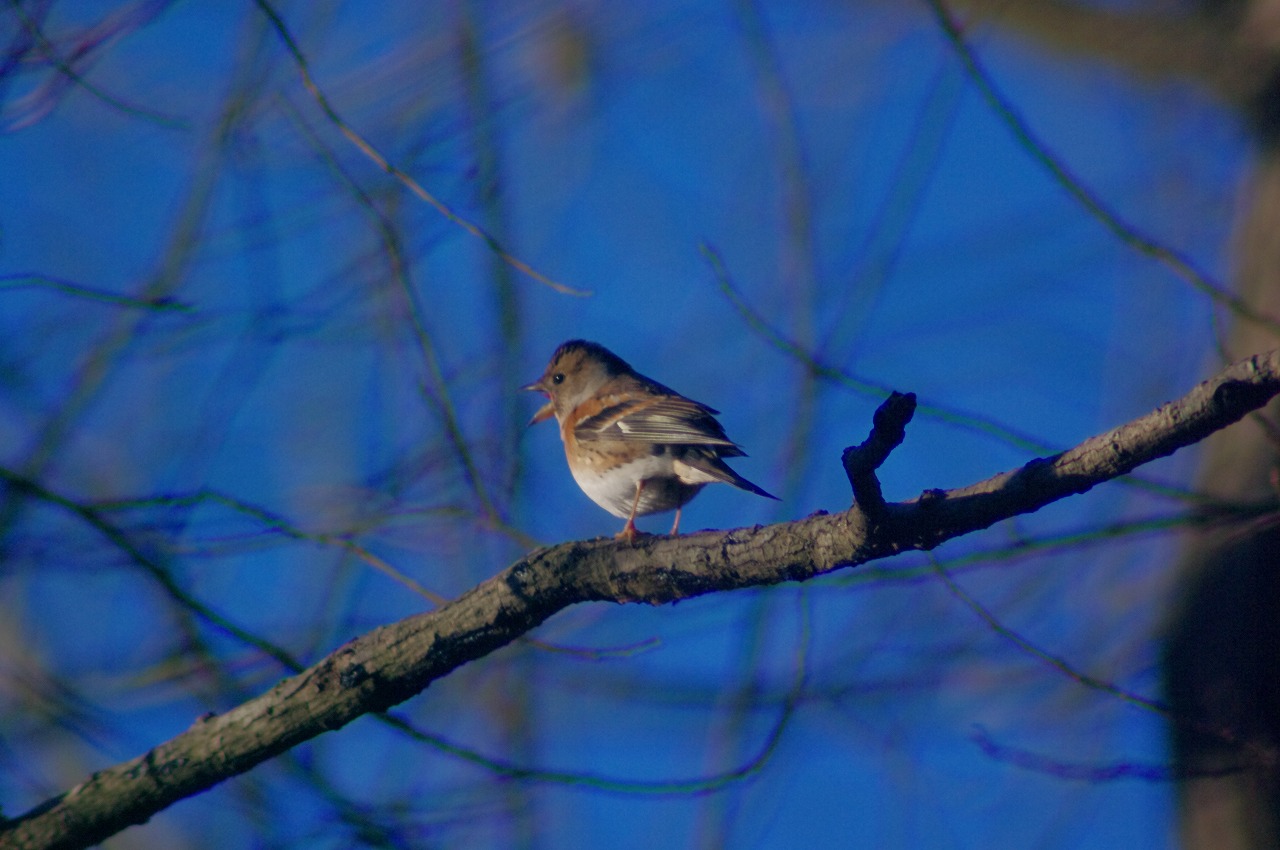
{"points": [[634, 446]]}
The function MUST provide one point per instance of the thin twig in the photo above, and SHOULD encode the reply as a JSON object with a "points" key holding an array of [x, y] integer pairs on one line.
{"points": [[367, 148]]}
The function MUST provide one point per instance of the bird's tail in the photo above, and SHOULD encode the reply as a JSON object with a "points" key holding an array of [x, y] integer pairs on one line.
{"points": [[704, 467]]}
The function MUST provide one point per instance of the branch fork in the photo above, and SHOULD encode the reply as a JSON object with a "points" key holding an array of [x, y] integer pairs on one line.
{"points": [[888, 429]]}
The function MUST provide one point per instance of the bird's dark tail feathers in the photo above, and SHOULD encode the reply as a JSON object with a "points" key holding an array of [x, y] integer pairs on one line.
{"points": [[718, 469]]}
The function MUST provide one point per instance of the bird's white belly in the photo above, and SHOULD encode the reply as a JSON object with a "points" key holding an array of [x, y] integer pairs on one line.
{"points": [[615, 489]]}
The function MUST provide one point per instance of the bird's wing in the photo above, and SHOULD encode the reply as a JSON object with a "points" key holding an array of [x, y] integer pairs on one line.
{"points": [[663, 419]]}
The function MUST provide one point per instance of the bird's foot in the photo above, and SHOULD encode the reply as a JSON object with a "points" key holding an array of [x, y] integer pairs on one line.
{"points": [[629, 533]]}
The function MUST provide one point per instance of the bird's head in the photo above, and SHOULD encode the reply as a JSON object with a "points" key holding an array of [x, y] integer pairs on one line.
{"points": [[576, 371]]}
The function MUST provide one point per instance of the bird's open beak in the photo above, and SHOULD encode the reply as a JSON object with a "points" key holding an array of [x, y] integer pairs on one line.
{"points": [[546, 411]]}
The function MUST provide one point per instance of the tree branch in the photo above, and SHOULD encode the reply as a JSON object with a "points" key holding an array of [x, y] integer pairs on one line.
{"points": [[395, 662], [888, 430], [1211, 49]]}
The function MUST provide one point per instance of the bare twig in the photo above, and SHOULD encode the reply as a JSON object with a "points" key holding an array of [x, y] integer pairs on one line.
{"points": [[1176, 261], [888, 430], [374, 155]]}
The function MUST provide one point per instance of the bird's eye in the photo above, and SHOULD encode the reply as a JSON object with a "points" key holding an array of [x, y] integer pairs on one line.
{"points": [[557, 378]]}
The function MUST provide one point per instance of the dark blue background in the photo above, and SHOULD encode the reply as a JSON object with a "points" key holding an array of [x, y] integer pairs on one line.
{"points": [[865, 200]]}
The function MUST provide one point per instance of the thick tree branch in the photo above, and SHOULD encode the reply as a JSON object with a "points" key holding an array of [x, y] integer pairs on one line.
{"points": [[395, 662], [1211, 49]]}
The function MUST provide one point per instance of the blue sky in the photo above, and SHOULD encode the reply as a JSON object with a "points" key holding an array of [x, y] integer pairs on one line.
{"points": [[865, 200]]}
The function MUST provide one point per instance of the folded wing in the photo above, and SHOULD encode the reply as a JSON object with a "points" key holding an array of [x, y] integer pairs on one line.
{"points": [[661, 419]]}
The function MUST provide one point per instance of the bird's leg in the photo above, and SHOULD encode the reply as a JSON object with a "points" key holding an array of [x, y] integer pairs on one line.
{"points": [[628, 531], [675, 526]]}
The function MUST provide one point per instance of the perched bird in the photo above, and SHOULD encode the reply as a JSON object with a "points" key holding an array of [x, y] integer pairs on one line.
{"points": [[634, 446]]}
